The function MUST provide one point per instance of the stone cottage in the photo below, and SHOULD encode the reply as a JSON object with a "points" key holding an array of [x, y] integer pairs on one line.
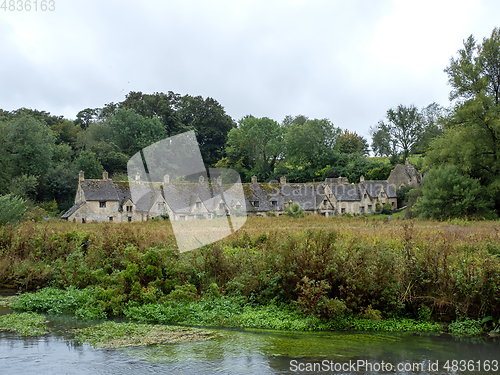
{"points": [[107, 200], [403, 175]]}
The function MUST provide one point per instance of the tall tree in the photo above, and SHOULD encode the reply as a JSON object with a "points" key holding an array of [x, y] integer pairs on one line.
{"points": [[158, 105], [350, 143], [131, 132], [471, 137], [311, 143], [404, 128], [30, 145], [210, 123], [254, 147]]}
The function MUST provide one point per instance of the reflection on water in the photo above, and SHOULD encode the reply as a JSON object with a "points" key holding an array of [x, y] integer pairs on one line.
{"points": [[238, 352]]}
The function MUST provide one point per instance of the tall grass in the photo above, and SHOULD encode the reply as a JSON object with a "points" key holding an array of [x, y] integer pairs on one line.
{"points": [[327, 267]]}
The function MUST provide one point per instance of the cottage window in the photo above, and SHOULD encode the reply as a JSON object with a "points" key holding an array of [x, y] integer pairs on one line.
{"points": [[362, 209], [342, 210], [365, 196], [274, 203], [111, 218], [382, 194], [191, 217], [369, 209], [129, 219], [325, 202], [102, 204], [392, 204], [330, 195], [160, 206], [182, 218], [255, 203], [198, 204], [129, 208], [238, 206], [221, 205]]}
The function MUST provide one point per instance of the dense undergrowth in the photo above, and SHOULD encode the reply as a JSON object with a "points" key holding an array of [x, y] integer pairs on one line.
{"points": [[307, 274]]}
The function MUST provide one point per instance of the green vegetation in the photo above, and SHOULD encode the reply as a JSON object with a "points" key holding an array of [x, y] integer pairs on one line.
{"points": [[11, 208], [287, 278], [118, 335], [24, 324]]}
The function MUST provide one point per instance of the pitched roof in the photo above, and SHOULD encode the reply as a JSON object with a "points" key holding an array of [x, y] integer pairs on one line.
{"points": [[100, 190], [72, 210], [374, 187]]}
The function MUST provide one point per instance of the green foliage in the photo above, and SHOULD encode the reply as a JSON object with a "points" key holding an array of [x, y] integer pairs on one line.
{"points": [[11, 208], [30, 144], [470, 140], [350, 143], [310, 143], [403, 128], [183, 293], [386, 209], [58, 301], [294, 210], [24, 324], [254, 147], [24, 186], [88, 163], [448, 193], [465, 327], [392, 325], [403, 195], [131, 132]]}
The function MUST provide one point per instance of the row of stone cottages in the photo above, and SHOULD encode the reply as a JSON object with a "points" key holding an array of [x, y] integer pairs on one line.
{"points": [[107, 200]]}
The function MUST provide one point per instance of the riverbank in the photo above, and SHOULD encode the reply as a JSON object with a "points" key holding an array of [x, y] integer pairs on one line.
{"points": [[316, 273]]}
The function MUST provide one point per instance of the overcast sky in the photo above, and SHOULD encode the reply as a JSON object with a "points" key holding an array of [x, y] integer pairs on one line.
{"points": [[348, 61]]}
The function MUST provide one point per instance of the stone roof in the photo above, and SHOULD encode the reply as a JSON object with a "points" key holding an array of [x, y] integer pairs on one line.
{"points": [[373, 188], [100, 190], [72, 210]]}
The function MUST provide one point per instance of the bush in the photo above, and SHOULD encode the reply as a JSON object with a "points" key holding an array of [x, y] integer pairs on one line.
{"points": [[387, 209], [294, 210], [11, 208], [465, 327], [448, 193]]}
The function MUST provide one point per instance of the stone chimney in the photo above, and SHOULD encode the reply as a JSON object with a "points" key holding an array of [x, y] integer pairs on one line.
{"points": [[137, 177], [362, 179], [282, 180], [105, 176], [81, 177], [166, 179], [254, 179]]}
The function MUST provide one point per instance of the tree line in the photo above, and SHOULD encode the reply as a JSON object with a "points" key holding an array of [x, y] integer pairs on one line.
{"points": [[41, 154]]}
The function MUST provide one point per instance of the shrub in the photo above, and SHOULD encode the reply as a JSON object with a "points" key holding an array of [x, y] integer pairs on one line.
{"points": [[465, 327], [294, 210], [448, 193], [387, 209], [11, 208]]}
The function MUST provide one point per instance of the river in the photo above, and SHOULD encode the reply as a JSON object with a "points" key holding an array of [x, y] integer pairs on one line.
{"points": [[250, 352]]}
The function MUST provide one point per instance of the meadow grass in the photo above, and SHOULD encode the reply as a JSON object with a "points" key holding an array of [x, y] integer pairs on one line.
{"points": [[315, 269]]}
